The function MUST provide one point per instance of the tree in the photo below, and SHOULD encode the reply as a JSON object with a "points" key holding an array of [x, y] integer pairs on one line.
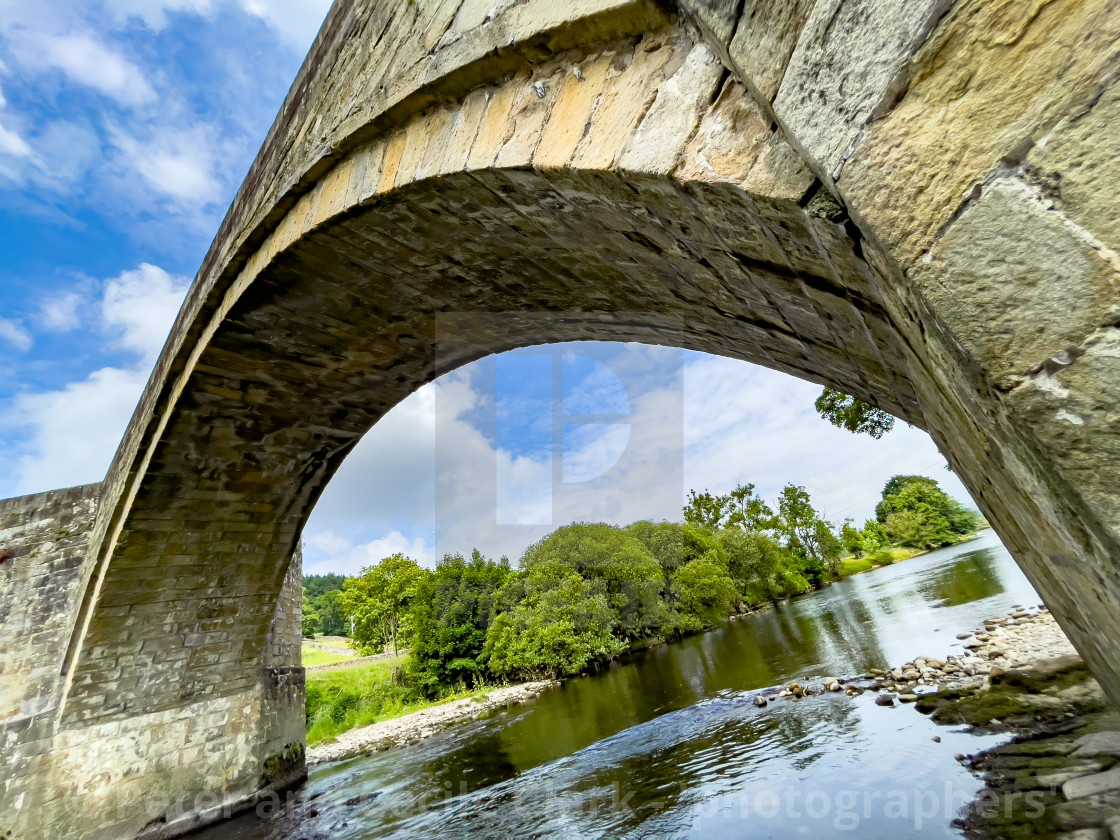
{"points": [[748, 511], [624, 568], [332, 619], [852, 539], [704, 592], [310, 618], [872, 536], [933, 517], [451, 612], [319, 585], [706, 509], [664, 540], [807, 535], [847, 412], [560, 627], [378, 600], [740, 508]]}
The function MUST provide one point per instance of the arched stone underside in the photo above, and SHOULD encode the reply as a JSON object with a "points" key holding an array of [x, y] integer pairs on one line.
{"points": [[905, 211]]}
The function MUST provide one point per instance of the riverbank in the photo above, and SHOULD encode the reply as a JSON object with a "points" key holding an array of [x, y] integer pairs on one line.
{"points": [[420, 724], [1059, 775]]}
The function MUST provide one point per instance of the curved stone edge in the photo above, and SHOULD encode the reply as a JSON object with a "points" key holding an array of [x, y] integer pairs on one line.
{"points": [[518, 38]]}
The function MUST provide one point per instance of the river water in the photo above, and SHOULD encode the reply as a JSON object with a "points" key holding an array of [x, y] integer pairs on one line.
{"points": [[669, 744]]}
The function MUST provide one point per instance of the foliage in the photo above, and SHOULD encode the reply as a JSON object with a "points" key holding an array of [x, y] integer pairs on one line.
{"points": [[332, 618], [622, 568], [378, 600], [847, 412], [852, 539], [560, 627], [882, 556], [741, 508], [873, 536], [588, 591], [706, 509], [916, 512], [762, 570], [664, 540], [310, 620], [319, 585], [339, 700], [451, 612], [807, 535], [703, 592]]}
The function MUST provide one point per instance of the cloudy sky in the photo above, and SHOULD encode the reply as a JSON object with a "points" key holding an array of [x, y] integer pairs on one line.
{"points": [[125, 129]]}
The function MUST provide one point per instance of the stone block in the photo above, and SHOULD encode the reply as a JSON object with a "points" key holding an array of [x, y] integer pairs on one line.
{"points": [[1098, 783], [991, 79], [1014, 282], [848, 65], [1098, 744]]}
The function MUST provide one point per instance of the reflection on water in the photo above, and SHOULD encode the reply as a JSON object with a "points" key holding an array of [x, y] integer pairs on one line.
{"points": [[670, 744]]}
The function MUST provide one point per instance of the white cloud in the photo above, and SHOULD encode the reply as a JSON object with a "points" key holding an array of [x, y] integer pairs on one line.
{"points": [[12, 144], [750, 424], [139, 307], [296, 21], [154, 13], [75, 430], [178, 164], [60, 314], [87, 61], [14, 333], [71, 433], [349, 558]]}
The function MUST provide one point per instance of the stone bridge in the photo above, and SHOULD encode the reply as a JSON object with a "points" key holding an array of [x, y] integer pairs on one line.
{"points": [[912, 201]]}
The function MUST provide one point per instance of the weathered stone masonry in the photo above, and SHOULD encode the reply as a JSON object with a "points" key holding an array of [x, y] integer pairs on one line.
{"points": [[43, 542], [908, 200]]}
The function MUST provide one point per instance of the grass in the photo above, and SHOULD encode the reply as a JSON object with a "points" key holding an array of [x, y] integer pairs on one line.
{"points": [[345, 699], [313, 656], [851, 566]]}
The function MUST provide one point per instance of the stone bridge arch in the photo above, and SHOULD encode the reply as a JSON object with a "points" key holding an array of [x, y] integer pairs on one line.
{"points": [[852, 191]]}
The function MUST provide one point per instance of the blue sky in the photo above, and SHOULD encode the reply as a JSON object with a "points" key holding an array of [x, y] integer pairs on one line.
{"points": [[125, 129]]}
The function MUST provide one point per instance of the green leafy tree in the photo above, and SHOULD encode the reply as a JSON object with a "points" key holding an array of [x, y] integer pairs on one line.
{"points": [[933, 517], [706, 509], [852, 539], [310, 618], [741, 508], [319, 585], [847, 412], [332, 619], [559, 626], [872, 536], [451, 612], [378, 600], [629, 575], [748, 511], [664, 540], [807, 535], [704, 592]]}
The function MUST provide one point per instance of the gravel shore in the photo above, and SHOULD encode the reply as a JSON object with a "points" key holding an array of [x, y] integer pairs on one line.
{"points": [[421, 724]]}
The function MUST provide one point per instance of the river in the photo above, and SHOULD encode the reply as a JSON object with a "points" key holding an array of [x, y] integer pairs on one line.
{"points": [[668, 744]]}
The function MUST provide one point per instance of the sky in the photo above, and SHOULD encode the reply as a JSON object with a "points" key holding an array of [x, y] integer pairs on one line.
{"points": [[126, 127]]}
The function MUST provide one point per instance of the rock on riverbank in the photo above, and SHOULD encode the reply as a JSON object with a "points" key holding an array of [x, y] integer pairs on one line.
{"points": [[1059, 777], [421, 724]]}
